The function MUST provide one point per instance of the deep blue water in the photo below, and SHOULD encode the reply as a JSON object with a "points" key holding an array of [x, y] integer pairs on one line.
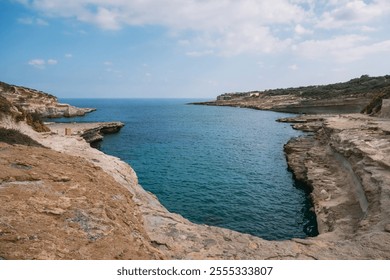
{"points": [[219, 166]]}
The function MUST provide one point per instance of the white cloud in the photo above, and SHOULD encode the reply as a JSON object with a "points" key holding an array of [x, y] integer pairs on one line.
{"points": [[68, 55], [230, 27], [52, 62], [107, 19], [342, 49], [293, 67], [41, 63], [227, 26], [366, 28], [27, 20], [300, 30], [38, 63], [199, 53], [349, 13], [32, 21], [41, 22]]}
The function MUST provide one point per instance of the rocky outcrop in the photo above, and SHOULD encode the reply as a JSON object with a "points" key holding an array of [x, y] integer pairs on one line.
{"points": [[39, 103], [349, 97], [91, 132], [346, 164]]}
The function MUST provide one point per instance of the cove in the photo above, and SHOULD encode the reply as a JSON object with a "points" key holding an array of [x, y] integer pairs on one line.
{"points": [[219, 166]]}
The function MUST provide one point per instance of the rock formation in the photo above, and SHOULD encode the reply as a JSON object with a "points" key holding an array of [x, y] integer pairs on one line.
{"points": [[39, 103], [91, 132], [56, 206]]}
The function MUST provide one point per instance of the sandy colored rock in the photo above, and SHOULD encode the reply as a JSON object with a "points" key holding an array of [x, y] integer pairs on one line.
{"points": [[347, 165], [40, 103], [56, 206]]}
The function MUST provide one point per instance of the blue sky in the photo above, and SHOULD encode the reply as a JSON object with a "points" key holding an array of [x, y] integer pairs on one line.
{"points": [[189, 48]]}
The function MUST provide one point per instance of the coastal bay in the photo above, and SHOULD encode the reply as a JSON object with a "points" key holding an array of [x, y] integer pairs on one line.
{"points": [[348, 228]]}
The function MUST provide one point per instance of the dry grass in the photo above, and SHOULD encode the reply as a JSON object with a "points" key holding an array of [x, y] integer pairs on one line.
{"points": [[13, 136]]}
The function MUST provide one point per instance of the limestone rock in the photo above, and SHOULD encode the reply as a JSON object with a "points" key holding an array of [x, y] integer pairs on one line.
{"points": [[69, 218], [39, 103]]}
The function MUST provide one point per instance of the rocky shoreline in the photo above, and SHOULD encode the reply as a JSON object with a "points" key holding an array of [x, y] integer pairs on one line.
{"points": [[66, 200], [346, 162], [90, 132]]}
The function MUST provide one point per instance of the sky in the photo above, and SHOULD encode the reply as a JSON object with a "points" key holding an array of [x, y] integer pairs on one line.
{"points": [[189, 48]]}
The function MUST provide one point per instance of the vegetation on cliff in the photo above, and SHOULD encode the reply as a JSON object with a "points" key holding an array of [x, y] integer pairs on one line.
{"points": [[348, 97], [357, 86], [13, 136]]}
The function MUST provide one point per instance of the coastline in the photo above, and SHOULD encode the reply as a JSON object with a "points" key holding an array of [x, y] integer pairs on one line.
{"points": [[69, 187], [174, 237]]}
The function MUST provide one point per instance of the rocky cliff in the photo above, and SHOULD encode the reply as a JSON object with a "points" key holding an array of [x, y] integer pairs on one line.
{"points": [[348, 97], [39, 103], [346, 163]]}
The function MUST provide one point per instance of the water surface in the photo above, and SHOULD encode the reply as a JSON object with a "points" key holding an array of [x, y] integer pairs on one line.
{"points": [[219, 166]]}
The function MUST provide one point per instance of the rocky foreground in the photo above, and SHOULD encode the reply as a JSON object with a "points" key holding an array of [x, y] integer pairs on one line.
{"points": [[62, 199]]}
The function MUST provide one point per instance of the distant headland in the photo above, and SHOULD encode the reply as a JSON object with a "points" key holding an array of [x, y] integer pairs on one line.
{"points": [[348, 97]]}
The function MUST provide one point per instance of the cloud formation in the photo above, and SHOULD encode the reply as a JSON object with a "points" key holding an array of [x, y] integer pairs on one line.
{"points": [[229, 27], [349, 13], [41, 63], [31, 21]]}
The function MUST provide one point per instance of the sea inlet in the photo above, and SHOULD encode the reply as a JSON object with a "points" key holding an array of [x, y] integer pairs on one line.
{"points": [[219, 166]]}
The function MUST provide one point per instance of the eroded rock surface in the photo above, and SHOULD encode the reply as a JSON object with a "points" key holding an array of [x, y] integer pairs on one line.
{"points": [[39, 103], [347, 164], [57, 206]]}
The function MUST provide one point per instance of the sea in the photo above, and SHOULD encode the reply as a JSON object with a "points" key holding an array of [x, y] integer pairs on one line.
{"points": [[219, 166]]}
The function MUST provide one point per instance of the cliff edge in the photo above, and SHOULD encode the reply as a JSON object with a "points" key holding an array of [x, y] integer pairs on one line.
{"points": [[39, 103]]}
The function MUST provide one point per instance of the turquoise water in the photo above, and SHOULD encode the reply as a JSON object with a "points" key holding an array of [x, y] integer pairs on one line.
{"points": [[219, 166]]}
